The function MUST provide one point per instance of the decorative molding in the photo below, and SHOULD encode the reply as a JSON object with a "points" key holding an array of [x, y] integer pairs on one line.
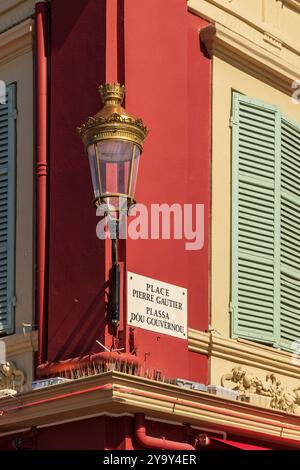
{"points": [[293, 4], [248, 385], [199, 341], [117, 393], [243, 352], [19, 344], [251, 56], [16, 41], [11, 378], [13, 12], [272, 40], [7, 392]]}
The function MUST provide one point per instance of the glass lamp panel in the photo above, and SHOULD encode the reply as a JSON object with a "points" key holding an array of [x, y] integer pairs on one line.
{"points": [[94, 170], [115, 151], [135, 167], [118, 174]]}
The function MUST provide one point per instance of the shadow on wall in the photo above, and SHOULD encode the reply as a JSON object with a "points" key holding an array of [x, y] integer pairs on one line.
{"points": [[93, 328], [76, 281], [76, 7]]}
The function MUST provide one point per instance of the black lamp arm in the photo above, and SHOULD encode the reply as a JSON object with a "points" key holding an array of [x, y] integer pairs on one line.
{"points": [[114, 284]]}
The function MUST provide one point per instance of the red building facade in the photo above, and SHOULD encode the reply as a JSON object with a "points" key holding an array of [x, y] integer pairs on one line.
{"points": [[168, 89], [154, 50], [129, 399]]}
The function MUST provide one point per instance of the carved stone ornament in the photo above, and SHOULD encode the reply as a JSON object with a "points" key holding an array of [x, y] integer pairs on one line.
{"points": [[11, 377], [247, 384]]}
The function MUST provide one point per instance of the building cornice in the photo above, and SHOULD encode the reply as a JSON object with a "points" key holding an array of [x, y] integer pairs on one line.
{"points": [[13, 12], [233, 14], [244, 352], [16, 41], [252, 57], [199, 341], [118, 393], [249, 44]]}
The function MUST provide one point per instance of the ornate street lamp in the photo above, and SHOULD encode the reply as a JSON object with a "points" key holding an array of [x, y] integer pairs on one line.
{"points": [[113, 140]]}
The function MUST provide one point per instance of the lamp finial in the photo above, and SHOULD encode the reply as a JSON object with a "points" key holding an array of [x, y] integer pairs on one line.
{"points": [[112, 93]]}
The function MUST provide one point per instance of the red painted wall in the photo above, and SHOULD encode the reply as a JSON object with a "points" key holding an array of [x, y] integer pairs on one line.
{"points": [[168, 84], [116, 433], [76, 257], [101, 433], [167, 79]]}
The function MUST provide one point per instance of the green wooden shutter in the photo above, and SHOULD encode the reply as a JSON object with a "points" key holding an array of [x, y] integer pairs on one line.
{"points": [[7, 210], [255, 222], [290, 234]]}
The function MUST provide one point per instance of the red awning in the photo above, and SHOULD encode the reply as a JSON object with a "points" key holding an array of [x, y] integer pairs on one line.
{"points": [[239, 445]]}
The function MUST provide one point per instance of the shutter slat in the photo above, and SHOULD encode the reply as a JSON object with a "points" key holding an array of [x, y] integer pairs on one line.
{"points": [[256, 153], [267, 218], [261, 138], [254, 145], [255, 111]]}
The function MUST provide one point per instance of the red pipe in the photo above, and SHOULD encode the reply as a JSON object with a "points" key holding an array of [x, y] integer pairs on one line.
{"points": [[41, 171], [52, 368], [153, 442]]}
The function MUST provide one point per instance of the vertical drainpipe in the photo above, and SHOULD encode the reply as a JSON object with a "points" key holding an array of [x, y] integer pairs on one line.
{"points": [[41, 171]]}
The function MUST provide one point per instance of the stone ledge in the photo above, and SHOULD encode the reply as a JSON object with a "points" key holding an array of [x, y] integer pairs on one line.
{"points": [[19, 344], [243, 352], [16, 41], [113, 392], [13, 12]]}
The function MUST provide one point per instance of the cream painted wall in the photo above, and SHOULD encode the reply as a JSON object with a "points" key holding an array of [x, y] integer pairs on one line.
{"points": [[225, 79], [20, 70]]}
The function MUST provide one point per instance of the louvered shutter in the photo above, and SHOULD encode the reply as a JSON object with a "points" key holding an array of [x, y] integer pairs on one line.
{"points": [[290, 234], [7, 210], [255, 223]]}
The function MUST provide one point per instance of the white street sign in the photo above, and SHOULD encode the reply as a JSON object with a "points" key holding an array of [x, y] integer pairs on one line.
{"points": [[156, 306]]}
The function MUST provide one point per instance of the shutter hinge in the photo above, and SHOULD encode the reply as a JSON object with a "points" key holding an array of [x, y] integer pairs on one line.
{"points": [[13, 301], [232, 122], [231, 308]]}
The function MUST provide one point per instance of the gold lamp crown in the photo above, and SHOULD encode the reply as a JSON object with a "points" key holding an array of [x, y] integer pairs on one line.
{"points": [[112, 121], [112, 93]]}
